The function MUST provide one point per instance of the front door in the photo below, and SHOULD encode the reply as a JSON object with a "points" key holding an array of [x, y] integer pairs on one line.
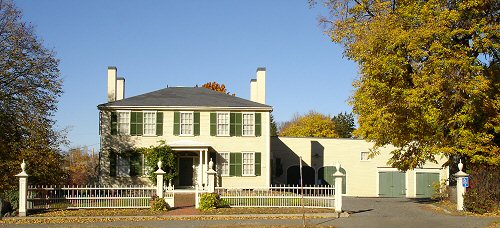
{"points": [[185, 171]]}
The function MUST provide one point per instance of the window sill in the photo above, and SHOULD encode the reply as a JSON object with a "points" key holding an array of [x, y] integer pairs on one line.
{"points": [[186, 135]]}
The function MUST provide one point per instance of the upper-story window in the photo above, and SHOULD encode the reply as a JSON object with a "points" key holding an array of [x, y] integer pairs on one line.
{"points": [[124, 123], [223, 123], [186, 123], [365, 156], [248, 124], [149, 123]]}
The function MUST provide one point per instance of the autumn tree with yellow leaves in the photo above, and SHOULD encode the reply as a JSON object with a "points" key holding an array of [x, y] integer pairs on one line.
{"points": [[429, 79], [312, 124]]}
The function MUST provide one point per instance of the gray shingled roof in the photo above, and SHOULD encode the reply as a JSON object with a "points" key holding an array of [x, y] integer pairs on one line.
{"points": [[185, 97]]}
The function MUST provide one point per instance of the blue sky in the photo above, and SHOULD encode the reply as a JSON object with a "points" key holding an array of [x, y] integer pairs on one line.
{"points": [[183, 43]]}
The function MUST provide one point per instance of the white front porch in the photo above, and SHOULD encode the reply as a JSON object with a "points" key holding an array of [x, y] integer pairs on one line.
{"points": [[192, 164]]}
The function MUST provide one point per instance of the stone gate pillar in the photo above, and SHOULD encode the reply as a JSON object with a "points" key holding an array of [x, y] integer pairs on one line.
{"points": [[338, 188], [159, 180], [460, 175], [23, 190]]}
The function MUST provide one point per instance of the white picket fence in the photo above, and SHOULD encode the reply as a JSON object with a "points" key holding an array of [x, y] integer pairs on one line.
{"points": [[279, 196], [73, 197]]}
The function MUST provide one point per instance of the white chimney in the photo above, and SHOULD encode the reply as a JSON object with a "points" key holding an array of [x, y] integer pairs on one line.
{"points": [[253, 90], [112, 71], [120, 88], [261, 85]]}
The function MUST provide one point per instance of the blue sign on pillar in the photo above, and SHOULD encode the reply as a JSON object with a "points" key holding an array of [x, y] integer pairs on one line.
{"points": [[465, 182]]}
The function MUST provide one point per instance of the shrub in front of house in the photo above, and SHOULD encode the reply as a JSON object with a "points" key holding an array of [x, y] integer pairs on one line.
{"points": [[483, 194], [158, 204], [10, 202], [209, 201]]}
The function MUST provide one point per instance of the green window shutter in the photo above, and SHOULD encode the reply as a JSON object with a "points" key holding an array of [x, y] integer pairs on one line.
{"points": [[139, 126], [177, 122], [232, 124], [159, 123], [257, 164], [135, 165], [239, 165], [133, 120], [237, 124], [114, 123], [136, 123], [112, 163], [235, 164], [258, 125], [213, 124], [196, 123]]}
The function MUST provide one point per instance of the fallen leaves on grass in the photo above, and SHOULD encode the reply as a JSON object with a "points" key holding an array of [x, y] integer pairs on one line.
{"points": [[265, 210], [80, 220]]}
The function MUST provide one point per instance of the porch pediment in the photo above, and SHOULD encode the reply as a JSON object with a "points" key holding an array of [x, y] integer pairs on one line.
{"points": [[188, 144]]}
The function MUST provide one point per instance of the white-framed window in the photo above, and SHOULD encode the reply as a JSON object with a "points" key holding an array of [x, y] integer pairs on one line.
{"points": [[145, 167], [123, 122], [248, 164], [223, 123], [224, 163], [248, 124], [186, 123], [364, 156], [149, 122], [122, 166]]}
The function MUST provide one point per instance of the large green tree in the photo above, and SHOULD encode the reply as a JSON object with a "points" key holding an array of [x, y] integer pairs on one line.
{"points": [[429, 75], [29, 87], [344, 124]]}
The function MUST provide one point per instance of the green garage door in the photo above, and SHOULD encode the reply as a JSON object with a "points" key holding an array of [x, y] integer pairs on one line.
{"points": [[391, 184], [424, 184]]}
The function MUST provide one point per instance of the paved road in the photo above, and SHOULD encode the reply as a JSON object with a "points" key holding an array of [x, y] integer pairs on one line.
{"points": [[365, 212]]}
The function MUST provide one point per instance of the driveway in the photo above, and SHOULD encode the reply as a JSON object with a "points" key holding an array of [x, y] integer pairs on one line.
{"points": [[400, 212]]}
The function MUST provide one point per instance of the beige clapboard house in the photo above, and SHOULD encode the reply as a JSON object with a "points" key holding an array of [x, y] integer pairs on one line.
{"points": [[202, 125], [197, 123]]}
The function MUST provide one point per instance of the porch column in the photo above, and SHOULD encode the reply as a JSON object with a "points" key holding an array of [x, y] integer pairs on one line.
{"points": [[206, 165], [200, 169]]}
